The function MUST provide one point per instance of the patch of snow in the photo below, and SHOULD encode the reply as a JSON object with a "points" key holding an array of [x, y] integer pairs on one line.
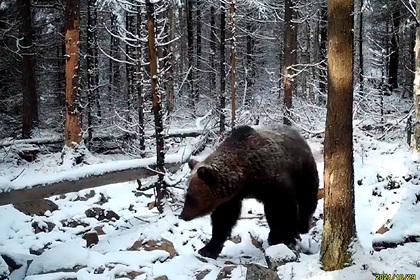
{"points": [[280, 252], [65, 256]]}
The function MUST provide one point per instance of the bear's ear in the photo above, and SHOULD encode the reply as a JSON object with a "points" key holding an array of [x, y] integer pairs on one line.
{"points": [[207, 174], [192, 163]]}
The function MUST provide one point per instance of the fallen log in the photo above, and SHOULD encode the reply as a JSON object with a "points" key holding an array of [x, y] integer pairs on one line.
{"points": [[37, 141], [385, 244], [180, 133], [81, 178]]}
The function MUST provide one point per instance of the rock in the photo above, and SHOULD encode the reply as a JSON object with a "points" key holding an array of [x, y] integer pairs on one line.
{"points": [[91, 238], [258, 272], [36, 207], [152, 245], [236, 239], [258, 243], [226, 272], [278, 255], [111, 215], [163, 277], [41, 226], [202, 274], [100, 214], [73, 223], [131, 275], [385, 227], [99, 230], [38, 251], [86, 196]]}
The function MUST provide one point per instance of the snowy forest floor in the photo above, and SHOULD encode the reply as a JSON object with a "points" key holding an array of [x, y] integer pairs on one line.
{"points": [[136, 242]]}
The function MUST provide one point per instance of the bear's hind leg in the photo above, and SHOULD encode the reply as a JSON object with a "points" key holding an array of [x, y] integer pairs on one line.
{"points": [[281, 215], [223, 219]]}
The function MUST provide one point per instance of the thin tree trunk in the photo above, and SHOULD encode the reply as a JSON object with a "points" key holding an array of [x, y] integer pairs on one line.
{"points": [[129, 21], [140, 79], [92, 66], [233, 82], [30, 96], [339, 224], [222, 94], [250, 71], [172, 69], [416, 142], [361, 61], [323, 53], [161, 192], [73, 128], [198, 42], [190, 44], [212, 80], [290, 55], [394, 52]]}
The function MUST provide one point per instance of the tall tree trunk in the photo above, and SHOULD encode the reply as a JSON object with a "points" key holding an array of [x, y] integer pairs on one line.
{"points": [[233, 82], [140, 79], [172, 73], [250, 66], [73, 129], [394, 52], [161, 192], [212, 80], [290, 55], [339, 223], [323, 53], [114, 68], [198, 42], [417, 82], [129, 68], [92, 66], [222, 94], [190, 44], [30, 96], [361, 60]]}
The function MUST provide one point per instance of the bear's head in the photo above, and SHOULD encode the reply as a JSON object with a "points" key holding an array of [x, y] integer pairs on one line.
{"points": [[202, 196]]}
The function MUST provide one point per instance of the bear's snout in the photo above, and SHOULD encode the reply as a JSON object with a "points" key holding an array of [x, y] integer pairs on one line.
{"points": [[184, 216]]}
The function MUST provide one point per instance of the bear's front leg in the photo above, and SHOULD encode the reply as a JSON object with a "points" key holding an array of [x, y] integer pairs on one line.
{"points": [[281, 214], [223, 219]]}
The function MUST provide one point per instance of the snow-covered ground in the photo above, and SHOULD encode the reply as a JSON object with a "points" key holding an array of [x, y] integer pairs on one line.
{"points": [[136, 242]]}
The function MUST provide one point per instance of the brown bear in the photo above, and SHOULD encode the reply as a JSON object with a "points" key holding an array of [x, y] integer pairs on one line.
{"points": [[275, 167]]}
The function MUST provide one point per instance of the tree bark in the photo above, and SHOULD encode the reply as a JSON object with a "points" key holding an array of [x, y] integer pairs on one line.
{"points": [[129, 68], [339, 223], [212, 79], [290, 56], [190, 44], [172, 73], [222, 93], [140, 79], [361, 58], [416, 142], [73, 128], [30, 95], [323, 53], [161, 192], [199, 49], [92, 66], [394, 51], [233, 82], [250, 64]]}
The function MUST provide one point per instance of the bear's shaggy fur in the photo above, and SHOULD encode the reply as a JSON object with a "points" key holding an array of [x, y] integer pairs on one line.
{"points": [[274, 166]]}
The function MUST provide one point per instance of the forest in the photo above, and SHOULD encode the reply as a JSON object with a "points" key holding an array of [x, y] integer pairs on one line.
{"points": [[105, 104]]}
